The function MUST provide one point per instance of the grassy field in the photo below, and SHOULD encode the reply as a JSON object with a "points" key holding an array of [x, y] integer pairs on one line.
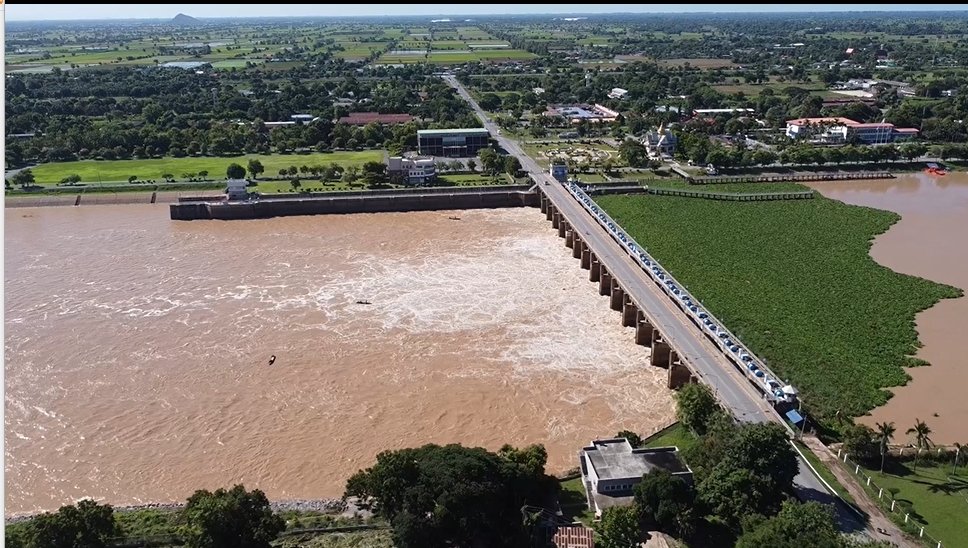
{"points": [[808, 299], [573, 502], [934, 496], [677, 435], [443, 57], [92, 171], [316, 185], [697, 63]]}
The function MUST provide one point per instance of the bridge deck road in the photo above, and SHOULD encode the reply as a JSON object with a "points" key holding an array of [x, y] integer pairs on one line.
{"points": [[730, 386]]}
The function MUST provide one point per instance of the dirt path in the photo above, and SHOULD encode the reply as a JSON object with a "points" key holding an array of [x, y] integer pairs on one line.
{"points": [[876, 517]]}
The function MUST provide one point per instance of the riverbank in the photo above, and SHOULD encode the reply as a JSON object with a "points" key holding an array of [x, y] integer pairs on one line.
{"points": [[924, 243], [325, 506]]}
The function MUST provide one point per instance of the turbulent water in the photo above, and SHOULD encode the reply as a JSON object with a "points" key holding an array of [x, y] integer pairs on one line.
{"points": [[137, 349], [929, 241]]}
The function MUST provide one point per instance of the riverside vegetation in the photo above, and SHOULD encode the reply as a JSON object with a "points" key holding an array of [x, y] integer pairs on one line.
{"points": [[795, 282]]}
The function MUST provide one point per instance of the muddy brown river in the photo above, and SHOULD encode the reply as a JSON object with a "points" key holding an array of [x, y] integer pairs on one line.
{"points": [[137, 349], [930, 242]]}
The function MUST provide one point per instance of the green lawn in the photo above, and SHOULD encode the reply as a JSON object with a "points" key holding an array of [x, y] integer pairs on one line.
{"points": [[574, 503], [677, 435], [933, 496], [92, 171], [794, 281]]}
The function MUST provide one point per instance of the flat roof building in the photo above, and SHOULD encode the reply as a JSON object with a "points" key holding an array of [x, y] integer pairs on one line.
{"points": [[610, 468], [617, 93], [411, 170], [452, 143], [702, 111], [577, 113], [838, 130]]}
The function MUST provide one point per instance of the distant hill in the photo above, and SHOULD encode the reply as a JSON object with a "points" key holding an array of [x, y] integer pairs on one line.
{"points": [[185, 20]]}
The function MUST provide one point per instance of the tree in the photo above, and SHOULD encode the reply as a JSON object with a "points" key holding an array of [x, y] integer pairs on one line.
{"points": [[255, 168], [84, 525], [283, 172], [490, 102], [619, 528], [295, 184], [958, 449], [666, 502], [235, 171], [233, 518], [795, 526], [490, 161], [132, 178], [453, 495], [885, 431], [634, 153], [749, 470], [695, 406], [511, 165], [921, 432], [471, 165], [735, 493], [24, 178], [532, 458], [168, 177], [203, 173], [374, 173], [860, 443], [634, 439], [351, 173]]}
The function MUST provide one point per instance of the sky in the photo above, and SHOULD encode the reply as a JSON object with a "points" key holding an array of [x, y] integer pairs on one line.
{"points": [[36, 12]]}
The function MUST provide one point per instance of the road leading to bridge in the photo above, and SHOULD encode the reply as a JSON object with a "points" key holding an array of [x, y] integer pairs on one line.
{"points": [[703, 358]]}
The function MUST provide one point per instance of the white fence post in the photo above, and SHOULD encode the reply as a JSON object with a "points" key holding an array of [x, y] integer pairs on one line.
{"points": [[857, 469], [880, 491], [845, 457], [922, 532], [906, 516], [868, 480], [892, 504]]}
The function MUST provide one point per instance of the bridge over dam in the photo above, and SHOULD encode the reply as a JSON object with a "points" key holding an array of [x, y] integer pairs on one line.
{"points": [[370, 201], [677, 342]]}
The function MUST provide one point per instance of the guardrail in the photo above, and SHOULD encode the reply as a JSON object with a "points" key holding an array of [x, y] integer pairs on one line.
{"points": [[729, 344]]}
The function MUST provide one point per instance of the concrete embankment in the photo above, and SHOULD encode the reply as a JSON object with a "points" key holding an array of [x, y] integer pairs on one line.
{"points": [[328, 506], [93, 198], [359, 202]]}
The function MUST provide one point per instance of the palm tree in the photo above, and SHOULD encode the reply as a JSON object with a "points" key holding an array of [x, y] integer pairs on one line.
{"points": [[958, 449], [921, 432], [885, 431]]}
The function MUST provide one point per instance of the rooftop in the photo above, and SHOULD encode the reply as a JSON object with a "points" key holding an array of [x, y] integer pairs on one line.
{"points": [[615, 459], [363, 118], [839, 120], [458, 131]]}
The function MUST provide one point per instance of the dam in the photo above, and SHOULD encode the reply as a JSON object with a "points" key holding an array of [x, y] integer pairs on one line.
{"points": [[371, 201]]}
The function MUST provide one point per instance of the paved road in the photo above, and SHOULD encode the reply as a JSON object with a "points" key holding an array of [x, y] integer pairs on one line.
{"points": [[730, 386]]}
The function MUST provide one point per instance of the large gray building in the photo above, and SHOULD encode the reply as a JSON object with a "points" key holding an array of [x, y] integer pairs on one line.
{"points": [[452, 143], [610, 468]]}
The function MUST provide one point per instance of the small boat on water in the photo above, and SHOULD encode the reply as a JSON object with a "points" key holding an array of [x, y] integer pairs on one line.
{"points": [[363, 302], [454, 218], [935, 169]]}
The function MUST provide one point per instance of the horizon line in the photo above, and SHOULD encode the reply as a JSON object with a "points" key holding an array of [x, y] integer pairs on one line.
{"points": [[204, 17]]}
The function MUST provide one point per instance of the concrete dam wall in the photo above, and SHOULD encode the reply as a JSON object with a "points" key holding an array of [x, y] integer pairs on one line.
{"points": [[359, 202]]}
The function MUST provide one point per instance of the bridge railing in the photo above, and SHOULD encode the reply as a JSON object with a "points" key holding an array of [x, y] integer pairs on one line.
{"points": [[753, 368]]}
